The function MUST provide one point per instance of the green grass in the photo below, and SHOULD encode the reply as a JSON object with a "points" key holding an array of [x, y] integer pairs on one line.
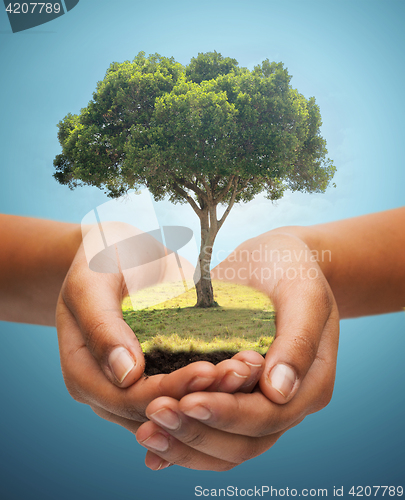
{"points": [[244, 320]]}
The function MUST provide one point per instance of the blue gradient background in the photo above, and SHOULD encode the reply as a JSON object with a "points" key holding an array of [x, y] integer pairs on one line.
{"points": [[350, 56]]}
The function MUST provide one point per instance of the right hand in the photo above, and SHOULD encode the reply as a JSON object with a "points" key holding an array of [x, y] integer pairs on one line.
{"points": [[218, 432], [280, 264]]}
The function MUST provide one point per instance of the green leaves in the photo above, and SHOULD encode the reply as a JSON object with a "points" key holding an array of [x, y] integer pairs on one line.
{"points": [[196, 123], [210, 125], [209, 66]]}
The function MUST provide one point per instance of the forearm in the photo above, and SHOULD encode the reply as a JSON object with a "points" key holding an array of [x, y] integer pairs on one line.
{"points": [[35, 256], [363, 259]]}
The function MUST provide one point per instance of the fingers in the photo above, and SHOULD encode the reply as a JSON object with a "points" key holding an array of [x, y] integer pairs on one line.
{"points": [[255, 362], [254, 414], [241, 373], [231, 375], [195, 377], [87, 383], [246, 414], [186, 442], [304, 309], [154, 462], [168, 448]]}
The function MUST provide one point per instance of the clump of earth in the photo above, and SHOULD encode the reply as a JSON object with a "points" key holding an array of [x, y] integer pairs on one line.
{"points": [[173, 333], [164, 361]]}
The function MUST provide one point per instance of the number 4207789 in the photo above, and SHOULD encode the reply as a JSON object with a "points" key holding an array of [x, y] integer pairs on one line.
{"points": [[31, 8], [368, 491]]}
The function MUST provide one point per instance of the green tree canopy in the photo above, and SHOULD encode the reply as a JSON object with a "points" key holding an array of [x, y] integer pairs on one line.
{"points": [[209, 134]]}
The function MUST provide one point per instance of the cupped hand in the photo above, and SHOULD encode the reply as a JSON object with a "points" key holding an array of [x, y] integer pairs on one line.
{"points": [[280, 264], [218, 431], [102, 361], [87, 383]]}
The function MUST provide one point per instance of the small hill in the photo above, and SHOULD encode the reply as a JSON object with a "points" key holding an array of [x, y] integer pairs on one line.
{"points": [[173, 333]]}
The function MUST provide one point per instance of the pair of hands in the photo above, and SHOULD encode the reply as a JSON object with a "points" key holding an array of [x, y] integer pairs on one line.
{"points": [[204, 416]]}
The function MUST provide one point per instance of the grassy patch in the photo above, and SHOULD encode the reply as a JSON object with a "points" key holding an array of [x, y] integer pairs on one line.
{"points": [[244, 320]]}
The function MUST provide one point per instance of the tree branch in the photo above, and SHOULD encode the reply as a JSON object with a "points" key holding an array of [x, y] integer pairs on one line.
{"points": [[230, 205], [206, 186], [213, 219], [195, 188], [225, 190], [214, 183], [185, 195], [244, 185]]}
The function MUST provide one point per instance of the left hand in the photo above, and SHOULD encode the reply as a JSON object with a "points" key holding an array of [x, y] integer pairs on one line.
{"points": [[91, 327]]}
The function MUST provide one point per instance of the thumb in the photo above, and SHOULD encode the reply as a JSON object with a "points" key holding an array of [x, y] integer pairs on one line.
{"points": [[304, 308], [95, 302]]}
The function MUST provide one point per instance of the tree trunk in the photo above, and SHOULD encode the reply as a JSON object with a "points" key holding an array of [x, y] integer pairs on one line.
{"points": [[205, 294], [206, 209]]}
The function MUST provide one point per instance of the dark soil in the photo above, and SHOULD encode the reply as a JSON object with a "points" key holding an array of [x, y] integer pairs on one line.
{"points": [[161, 361]]}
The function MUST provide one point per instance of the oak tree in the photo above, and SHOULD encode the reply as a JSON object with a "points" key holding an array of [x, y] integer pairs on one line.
{"points": [[210, 133]]}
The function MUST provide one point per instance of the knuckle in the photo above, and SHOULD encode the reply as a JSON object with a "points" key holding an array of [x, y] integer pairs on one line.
{"points": [[319, 292], [70, 374], [74, 391], [325, 397], [133, 414], [259, 426], [119, 408], [262, 429], [186, 459], [247, 451], [322, 297], [96, 336], [100, 412], [194, 440], [231, 422], [73, 286], [304, 346], [321, 403], [259, 422], [225, 466]]}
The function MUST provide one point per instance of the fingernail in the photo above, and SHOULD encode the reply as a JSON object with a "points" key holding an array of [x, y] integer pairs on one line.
{"points": [[157, 442], [231, 382], [253, 364], [199, 413], [121, 363], [282, 379], [167, 418], [163, 465], [199, 383]]}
